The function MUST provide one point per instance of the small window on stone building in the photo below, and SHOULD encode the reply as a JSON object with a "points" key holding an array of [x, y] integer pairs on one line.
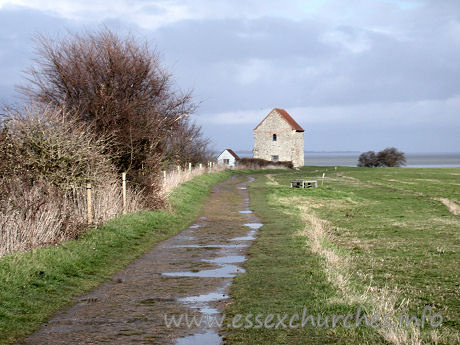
{"points": [[275, 158], [275, 137], [227, 161]]}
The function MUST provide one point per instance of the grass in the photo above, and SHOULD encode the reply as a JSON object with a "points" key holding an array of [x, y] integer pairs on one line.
{"points": [[379, 239], [35, 284]]}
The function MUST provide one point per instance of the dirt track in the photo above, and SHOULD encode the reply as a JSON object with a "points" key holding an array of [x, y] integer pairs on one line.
{"points": [[188, 273]]}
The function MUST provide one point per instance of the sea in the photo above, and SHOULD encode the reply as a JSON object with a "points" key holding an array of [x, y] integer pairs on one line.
{"points": [[350, 158]]}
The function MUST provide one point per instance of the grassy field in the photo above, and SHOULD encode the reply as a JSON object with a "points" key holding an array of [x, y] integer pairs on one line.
{"points": [[382, 240], [35, 284]]}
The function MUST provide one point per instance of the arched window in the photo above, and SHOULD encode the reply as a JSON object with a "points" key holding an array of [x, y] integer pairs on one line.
{"points": [[275, 137]]}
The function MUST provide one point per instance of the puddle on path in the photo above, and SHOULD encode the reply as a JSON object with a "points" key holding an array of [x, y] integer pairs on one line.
{"points": [[208, 338], [209, 246], [249, 237], [254, 226], [194, 226], [202, 302], [210, 297], [231, 259], [225, 271]]}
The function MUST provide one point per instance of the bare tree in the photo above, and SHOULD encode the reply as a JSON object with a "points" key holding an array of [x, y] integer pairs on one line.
{"points": [[390, 157], [367, 159], [187, 145], [117, 85]]}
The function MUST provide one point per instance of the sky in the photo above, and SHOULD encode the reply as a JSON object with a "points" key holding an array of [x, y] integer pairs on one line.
{"points": [[357, 75]]}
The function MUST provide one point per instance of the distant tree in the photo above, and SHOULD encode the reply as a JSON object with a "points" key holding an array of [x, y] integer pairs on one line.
{"points": [[390, 157], [367, 159]]}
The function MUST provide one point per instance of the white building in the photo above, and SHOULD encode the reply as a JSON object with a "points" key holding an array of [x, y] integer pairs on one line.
{"points": [[228, 157]]}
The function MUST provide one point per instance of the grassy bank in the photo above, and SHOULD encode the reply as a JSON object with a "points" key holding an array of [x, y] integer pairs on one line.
{"points": [[384, 240], [33, 285]]}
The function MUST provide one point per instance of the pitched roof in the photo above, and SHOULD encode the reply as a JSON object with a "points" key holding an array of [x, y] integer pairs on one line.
{"points": [[284, 114], [232, 153]]}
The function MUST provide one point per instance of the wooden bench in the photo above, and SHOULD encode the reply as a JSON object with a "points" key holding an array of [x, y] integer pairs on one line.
{"points": [[303, 183]]}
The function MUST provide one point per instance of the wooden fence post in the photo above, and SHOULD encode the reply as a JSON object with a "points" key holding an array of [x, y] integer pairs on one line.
{"points": [[178, 169], [123, 178], [322, 181], [164, 174], [89, 206], [190, 167]]}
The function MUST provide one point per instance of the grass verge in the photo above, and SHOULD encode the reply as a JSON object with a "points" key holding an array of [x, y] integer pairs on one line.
{"points": [[35, 284], [378, 239]]}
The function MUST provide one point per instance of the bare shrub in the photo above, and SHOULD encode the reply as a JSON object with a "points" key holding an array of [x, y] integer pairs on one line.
{"points": [[46, 160], [368, 159], [120, 87], [390, 157], [43, 142], [98, 105], [187, 145]]}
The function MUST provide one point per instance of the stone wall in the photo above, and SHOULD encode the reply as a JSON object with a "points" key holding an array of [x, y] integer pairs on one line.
{"points": [[289, 145]]}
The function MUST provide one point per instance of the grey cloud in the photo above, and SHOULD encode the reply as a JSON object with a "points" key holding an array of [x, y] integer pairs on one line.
{"points": [[302, 68], [239, 39], [257, 55], [17, 31]]}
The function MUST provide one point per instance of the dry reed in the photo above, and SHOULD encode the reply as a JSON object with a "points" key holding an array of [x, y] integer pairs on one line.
{"points": [[41, 214], [174, 178]]}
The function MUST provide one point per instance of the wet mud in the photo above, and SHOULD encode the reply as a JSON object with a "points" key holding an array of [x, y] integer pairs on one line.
{"points": [[189, 273]]}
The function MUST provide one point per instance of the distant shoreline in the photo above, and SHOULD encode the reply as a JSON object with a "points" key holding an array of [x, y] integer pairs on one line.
{"points": [[350, 158]]}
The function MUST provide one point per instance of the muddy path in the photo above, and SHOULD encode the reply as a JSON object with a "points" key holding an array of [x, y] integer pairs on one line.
{"points": [[189, 273]]}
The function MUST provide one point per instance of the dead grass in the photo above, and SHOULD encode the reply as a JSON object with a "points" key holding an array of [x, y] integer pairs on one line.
{"points": [[383, 301], [41, 214], [174, 178], [442, 220], [403, 182], [428, 180], [28, 220], [451, 205], [271, 180]]}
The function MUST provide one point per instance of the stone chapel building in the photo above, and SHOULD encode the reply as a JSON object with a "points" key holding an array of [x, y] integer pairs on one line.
{"points": [[279, 138]]}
